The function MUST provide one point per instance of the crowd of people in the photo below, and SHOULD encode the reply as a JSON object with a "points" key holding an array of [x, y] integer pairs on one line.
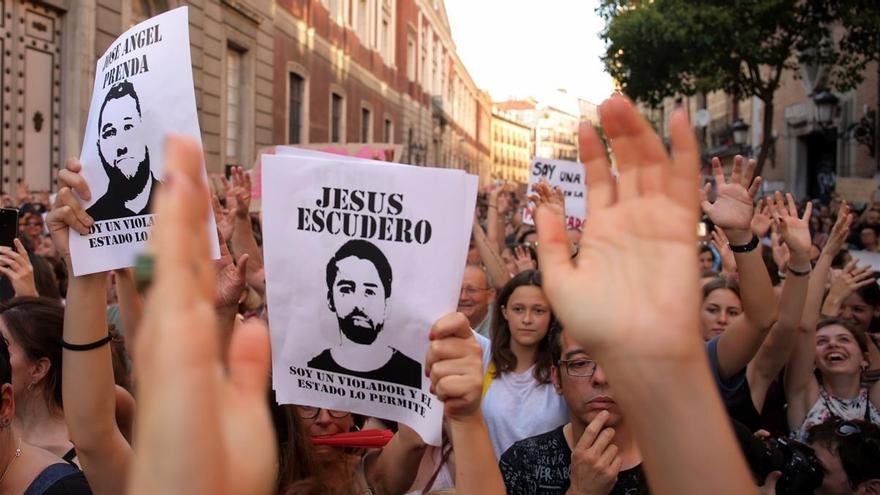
{"points": [[633, 357]]}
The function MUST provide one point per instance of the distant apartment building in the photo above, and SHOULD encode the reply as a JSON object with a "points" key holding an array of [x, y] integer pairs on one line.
{"points": [[512, 149]]}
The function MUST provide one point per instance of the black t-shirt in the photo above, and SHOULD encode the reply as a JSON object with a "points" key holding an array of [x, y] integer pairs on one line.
{"points": [[542, 465], [399, 369], [59, 479]]}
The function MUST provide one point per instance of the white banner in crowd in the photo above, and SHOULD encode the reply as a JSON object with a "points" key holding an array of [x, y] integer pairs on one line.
{"points": [[143, 92], [568, 176], [362, 258]]}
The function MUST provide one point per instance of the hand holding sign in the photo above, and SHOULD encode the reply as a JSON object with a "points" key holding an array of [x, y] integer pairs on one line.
{"points": [[455, 365], [184, 389], [67, 213]]}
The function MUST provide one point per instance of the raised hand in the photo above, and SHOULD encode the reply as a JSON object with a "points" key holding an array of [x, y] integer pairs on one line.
{"points": [[22, 193], [225, 221], [849, 280], [523, 259], [778, 249], [794, 231], [16, 266], [761, 219], [722, 245], [238, 193], [732, 209], [230, 278], [203, 425], [67, 213], [640, 228], [840, 231]]}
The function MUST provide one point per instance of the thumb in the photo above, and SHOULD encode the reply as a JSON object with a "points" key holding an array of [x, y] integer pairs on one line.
{"points": [[249, 360], [769, 487], [242, 266]]}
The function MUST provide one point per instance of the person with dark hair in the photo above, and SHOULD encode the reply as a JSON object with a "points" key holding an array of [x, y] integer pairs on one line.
{"points": [[358, 287], [850, 455], [124, 155], [24, 467], [518, 378], [32, 327], [595, 452]]}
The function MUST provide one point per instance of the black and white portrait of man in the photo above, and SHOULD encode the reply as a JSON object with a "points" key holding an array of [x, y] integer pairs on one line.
{"points": [[122, 148], [358, 287]]}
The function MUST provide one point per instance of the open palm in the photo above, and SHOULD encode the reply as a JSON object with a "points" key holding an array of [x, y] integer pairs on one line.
{"points": [[733, 208], [643, 224]]}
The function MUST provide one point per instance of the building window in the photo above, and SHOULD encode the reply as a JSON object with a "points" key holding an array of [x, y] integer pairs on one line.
{"points": [[410, 58], [388, 131], [234, 107], [383, 40], [295, 88], [336, 118], [366, 125], [362, 18]]}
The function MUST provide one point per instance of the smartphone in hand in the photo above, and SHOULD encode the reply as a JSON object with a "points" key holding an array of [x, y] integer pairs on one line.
{"points": [[8, 226]]}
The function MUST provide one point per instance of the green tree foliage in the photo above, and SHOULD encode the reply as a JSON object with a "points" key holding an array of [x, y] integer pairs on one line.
{"points": [[662, 48]]}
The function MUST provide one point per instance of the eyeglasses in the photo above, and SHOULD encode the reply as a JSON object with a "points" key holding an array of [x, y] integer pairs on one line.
{"points": [[309, 412], [582, 368], [473, 291]]}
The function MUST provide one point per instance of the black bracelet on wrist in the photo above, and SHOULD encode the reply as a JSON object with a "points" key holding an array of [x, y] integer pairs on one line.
{"points": [[89, 346], [799, 273], [745, 248]]}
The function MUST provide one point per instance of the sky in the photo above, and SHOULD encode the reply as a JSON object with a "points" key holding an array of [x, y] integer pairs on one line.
{"points": [[531, 48]]}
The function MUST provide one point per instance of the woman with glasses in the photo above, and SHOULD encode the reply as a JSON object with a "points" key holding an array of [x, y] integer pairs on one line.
{"points": [[519, 399]]}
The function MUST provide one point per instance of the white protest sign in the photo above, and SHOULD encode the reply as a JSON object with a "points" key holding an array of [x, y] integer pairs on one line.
{"points": [[571, 179], [143, 92], [361, 260], [470, 191], [867, 258]]}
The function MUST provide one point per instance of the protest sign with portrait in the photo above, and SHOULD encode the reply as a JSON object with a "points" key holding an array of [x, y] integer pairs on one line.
{"points": [[571, 179], [143, 92], [361, 259]]}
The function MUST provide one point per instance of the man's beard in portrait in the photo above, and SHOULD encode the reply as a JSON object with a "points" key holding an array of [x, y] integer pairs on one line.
{"points": [[124, 187], [357, 333]]}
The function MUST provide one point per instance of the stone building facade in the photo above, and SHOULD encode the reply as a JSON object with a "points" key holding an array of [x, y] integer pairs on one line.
{"points": [[265, 72], [512, 149]]}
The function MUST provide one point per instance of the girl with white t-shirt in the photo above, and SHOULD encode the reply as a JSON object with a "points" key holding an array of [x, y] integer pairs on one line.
{"points": [[519, 400]]}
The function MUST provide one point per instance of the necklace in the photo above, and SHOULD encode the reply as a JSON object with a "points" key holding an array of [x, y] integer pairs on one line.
{"points": [[16, 456]]}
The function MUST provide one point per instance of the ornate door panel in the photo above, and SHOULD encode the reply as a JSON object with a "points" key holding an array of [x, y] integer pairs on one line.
{"points": [[31, 94]]}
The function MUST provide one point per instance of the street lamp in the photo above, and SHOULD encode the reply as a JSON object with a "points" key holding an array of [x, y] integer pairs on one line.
{"points": [[826, 103], [740, 131]]}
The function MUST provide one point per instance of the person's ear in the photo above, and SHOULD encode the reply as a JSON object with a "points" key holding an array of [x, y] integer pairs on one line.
{"points": [[556, 378], [504, 313], [40, 369], [330, 301]]}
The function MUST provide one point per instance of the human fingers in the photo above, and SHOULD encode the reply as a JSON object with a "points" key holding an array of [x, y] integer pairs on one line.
{"points": [[641, 157], [850, 266], [554, 250], [241, 266], [450, 348], [8, 272], [19, 248], [8, 261], [249, 360], [592, 431], [736, 173], [459, 393], [608, 455], [461, 366], [704, 198], [808, 212], [791, 205], [749, 173], [68, 211], [70, 176], [721, 235], [755, 187], [684, 180], [451, 325], [602, 442], [865, 281], [717, 171]]}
